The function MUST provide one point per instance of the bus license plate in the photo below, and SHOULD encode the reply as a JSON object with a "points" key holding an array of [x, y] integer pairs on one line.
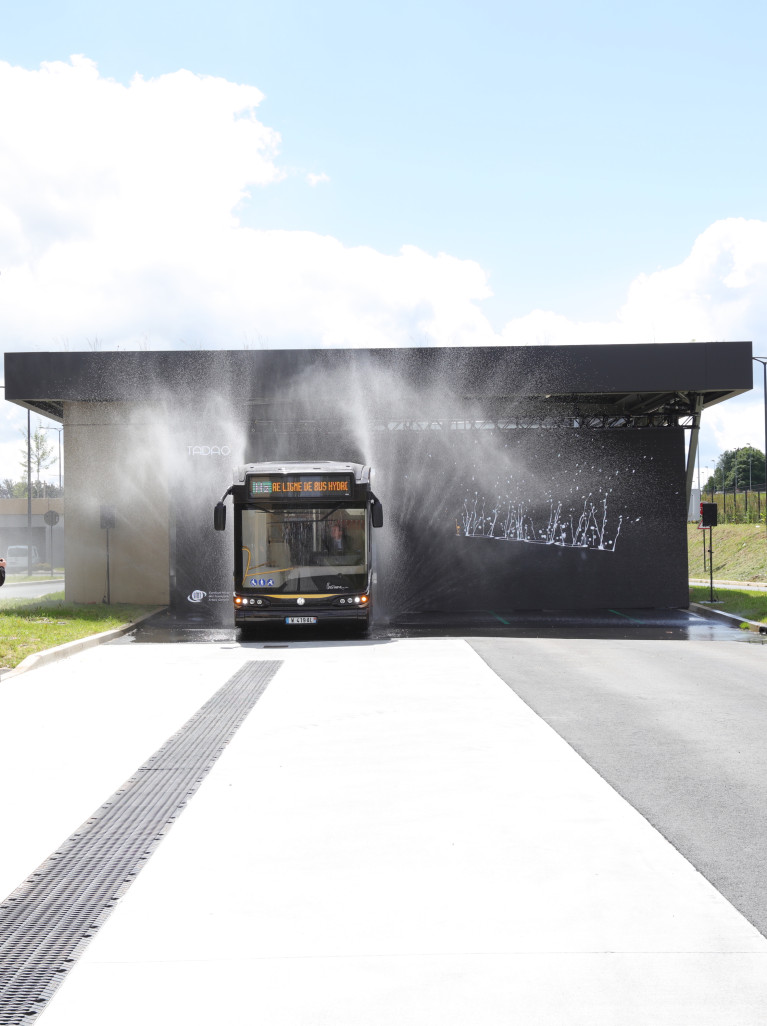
{"points": [[300, 619]]}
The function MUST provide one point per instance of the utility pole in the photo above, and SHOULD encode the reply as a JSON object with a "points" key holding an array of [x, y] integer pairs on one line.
{"points": [[29, 496]]}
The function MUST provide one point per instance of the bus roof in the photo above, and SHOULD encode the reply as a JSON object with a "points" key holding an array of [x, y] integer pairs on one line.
{"points": [[361, 471]]}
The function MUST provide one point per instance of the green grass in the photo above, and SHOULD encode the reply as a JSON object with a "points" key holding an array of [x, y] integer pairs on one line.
{"points": [[748, 604], [33, 625], [740, 552]]}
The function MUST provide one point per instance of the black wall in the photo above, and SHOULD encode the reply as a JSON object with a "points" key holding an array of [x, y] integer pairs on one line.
{"points": [[475, 519], [536, 519]]}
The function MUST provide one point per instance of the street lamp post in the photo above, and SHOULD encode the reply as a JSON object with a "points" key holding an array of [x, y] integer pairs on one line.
{"points": [[763, 361]]}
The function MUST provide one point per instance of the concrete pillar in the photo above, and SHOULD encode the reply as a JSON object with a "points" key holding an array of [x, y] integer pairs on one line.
{"points": [[116, 457]]}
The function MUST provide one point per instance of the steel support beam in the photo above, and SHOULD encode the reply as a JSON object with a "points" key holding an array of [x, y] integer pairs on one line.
{"points": [[692, 450]]}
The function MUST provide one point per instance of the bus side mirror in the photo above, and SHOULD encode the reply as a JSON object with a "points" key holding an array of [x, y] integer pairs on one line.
{"points": [[219, 517], [376, 513]]}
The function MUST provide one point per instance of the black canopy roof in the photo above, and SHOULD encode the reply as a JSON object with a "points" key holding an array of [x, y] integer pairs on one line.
{"points": [[627, 382]]}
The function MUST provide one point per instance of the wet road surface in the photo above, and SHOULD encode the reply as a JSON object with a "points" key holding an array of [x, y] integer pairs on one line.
{"points": [[650, 624]]}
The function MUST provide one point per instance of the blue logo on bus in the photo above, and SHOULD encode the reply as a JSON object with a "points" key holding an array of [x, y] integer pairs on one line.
{"points": [[261, 582]]}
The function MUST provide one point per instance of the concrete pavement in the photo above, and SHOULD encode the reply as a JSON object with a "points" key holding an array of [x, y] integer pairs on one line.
{"points": [[392, 836]]}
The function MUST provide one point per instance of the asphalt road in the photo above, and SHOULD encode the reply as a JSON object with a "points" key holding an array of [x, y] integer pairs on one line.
{"points": [[33, 589], [678, 729], [731, 585]]}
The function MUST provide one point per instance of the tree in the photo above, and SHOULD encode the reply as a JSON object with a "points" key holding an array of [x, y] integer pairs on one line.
{"points": [[741, 468], [41, 456], [18, 489]]}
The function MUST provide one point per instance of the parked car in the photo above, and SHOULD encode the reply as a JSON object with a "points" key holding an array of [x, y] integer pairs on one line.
{"points": [[17, 560], [2, 571]]}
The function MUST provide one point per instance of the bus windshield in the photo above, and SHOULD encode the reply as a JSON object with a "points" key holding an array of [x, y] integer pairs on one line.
{"points": [[304, 550]]}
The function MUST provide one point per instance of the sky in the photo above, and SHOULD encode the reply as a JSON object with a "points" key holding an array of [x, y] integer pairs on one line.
{"points": [[284, 173]]}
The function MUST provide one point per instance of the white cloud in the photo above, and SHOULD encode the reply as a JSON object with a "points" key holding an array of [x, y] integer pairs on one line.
{"points": [[735, 423], [718, 292], [119, 221], [87, 161], [545, 328]]}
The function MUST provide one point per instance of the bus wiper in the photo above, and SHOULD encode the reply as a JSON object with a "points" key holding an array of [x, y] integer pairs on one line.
{"points": [[302, 517]]}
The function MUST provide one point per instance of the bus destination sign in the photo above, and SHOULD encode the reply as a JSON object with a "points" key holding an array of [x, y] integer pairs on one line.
{"points": [[284, 487]]}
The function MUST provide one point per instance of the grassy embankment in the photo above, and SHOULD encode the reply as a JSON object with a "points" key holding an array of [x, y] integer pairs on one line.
{"points": [[33, 625], [740, 554]]}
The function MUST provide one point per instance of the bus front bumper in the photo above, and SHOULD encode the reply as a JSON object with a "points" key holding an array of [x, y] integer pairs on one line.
{"points": [[302, 616]]}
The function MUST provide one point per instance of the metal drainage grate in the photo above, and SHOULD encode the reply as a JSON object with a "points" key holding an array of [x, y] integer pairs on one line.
{"points": [[48, 921]]}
